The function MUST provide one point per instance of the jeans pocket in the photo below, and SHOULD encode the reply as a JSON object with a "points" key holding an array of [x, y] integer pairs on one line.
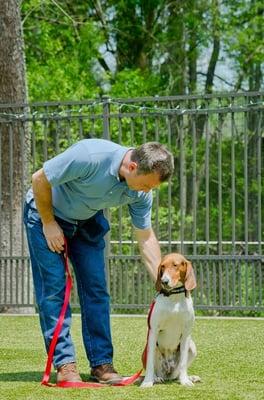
{"points": [[31, 216], [67, 227], [94, 229]]}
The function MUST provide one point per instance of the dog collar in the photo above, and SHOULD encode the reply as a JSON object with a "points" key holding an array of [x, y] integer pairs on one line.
{"points": [[177, 290]]}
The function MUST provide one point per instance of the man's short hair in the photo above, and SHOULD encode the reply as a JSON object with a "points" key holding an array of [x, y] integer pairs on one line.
{"points": [[153, 157]]}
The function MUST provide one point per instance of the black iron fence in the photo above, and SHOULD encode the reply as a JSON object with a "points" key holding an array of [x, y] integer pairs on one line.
{"points": [[211, 210]]}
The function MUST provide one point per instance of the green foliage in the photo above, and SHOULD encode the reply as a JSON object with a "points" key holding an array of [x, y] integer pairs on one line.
{"points": [[60, 55], [243, 41], [80, 49], [135, 83]]}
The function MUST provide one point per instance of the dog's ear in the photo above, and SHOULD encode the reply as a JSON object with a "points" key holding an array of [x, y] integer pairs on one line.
{"points": [[158, 281], [190, 280]]}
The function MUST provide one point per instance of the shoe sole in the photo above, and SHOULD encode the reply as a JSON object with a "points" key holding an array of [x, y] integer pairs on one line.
{"points": [[109, 382], [73, 381]]}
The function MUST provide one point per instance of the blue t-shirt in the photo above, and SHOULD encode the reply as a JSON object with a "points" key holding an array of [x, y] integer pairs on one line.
{"points": [[85, 179]]}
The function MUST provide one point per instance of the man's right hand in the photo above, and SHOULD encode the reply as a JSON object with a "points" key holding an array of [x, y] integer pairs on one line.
{"points": [[54, 236]]}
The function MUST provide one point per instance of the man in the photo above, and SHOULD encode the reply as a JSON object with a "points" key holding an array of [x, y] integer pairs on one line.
{"points": [[66, 200]]}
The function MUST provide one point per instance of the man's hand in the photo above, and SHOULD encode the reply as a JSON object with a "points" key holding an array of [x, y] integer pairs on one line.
{"points": [[54, 236], [43, 198]]}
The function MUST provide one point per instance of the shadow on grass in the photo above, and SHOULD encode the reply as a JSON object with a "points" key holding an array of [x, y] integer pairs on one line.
{"points": [[32, 376], [26, 376]]}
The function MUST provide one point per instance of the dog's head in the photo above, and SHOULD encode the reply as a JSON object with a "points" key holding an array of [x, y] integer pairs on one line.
{"points": [[174, 271]]}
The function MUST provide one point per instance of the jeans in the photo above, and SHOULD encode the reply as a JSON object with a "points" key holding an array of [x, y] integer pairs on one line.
{"points": [[86, 252]]}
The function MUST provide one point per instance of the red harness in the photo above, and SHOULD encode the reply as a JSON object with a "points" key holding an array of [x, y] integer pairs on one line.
{"points": [[46, 377]]}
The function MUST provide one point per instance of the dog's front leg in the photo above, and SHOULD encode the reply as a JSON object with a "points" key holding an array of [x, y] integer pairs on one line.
{"points": [[150, 367], [183, 363]]}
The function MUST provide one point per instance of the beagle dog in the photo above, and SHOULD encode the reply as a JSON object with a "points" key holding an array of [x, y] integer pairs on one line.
{"points": [[170, 349]]}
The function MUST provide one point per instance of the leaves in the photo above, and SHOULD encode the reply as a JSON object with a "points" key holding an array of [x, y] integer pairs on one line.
{"points": [[115, 46]]}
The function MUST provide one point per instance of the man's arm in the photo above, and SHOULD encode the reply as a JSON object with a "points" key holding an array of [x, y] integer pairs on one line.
{"points": [[149, 250], [43, 199]]}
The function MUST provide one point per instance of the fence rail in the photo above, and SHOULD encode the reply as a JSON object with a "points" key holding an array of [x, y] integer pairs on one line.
{"points": [[211, 210]]}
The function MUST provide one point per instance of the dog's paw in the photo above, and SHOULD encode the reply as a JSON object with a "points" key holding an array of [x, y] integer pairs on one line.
{"points": [[186, 381], [195, 378], [158, 379], [146, 384]]}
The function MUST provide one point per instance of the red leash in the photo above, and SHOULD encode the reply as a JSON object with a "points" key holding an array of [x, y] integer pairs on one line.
{"points": [[145, 351], [46, 377]]}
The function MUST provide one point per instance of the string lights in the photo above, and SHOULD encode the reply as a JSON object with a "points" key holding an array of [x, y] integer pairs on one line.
{"points": [[142, 109]]}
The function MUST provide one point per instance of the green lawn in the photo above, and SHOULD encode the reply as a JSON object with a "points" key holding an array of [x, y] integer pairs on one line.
{"points": [[230, 361]]}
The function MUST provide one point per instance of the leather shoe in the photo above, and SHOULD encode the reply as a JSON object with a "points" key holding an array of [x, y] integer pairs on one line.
{"points": [[106, 373], [68, 373]]}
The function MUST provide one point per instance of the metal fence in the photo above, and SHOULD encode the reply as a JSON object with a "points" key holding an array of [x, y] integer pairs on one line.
{"points": [[211, 210]]}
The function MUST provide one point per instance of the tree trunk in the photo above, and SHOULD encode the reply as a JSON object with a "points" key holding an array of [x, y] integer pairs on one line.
{"points": [[14, 156], [176, 65], [212, 63], [134, 39]]}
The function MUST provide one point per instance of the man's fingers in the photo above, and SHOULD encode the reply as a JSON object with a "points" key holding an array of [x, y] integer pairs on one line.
{"points": [[61, 241], [59, 245], [50, 246], [54, 236], [55, 246]]}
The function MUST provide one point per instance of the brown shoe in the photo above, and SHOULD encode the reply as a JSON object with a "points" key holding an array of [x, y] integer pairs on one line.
{"points": [[69, 373], [106, 374]]}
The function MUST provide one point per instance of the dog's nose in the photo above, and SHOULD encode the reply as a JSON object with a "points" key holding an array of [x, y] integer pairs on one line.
{"points": [[165, 280]]}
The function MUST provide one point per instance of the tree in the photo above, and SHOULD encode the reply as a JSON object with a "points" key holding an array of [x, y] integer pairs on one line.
{"points": [[13, 91], [174, 47], [62, 50], [245, 44]]}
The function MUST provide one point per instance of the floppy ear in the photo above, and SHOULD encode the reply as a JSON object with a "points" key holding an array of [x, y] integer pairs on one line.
{"points": [[158, 281], [190, 280]]}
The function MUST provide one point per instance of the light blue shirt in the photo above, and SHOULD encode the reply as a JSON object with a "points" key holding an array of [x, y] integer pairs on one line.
{"points": [[85, 179]]}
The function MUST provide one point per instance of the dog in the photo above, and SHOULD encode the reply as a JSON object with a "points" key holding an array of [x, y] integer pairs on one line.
{"points": [[170, 350]]}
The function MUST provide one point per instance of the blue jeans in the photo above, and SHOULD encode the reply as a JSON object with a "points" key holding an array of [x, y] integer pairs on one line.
{"points": [[86, 252]]}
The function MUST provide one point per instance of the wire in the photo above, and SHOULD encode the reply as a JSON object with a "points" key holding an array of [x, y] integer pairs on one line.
{"points": [[68, 113]]}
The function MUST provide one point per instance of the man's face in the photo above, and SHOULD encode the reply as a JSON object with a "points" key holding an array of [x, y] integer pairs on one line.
{"points": [[142, 183]]}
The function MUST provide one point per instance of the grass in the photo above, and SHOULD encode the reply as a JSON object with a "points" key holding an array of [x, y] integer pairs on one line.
{"points": [[230, 361]]}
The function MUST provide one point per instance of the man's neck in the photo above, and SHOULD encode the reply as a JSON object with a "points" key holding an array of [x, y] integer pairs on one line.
{"points": [[124, 166]]}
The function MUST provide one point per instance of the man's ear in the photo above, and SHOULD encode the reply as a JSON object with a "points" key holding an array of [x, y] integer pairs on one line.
{"points": [[132, 166], [190, 280]]}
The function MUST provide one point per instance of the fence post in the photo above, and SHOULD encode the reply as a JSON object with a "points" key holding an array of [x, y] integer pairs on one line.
{"points": [[106, 117], [107, 136]]}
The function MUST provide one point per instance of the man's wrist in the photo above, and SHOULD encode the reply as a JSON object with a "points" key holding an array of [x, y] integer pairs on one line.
{"points": [[47, 219]]}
